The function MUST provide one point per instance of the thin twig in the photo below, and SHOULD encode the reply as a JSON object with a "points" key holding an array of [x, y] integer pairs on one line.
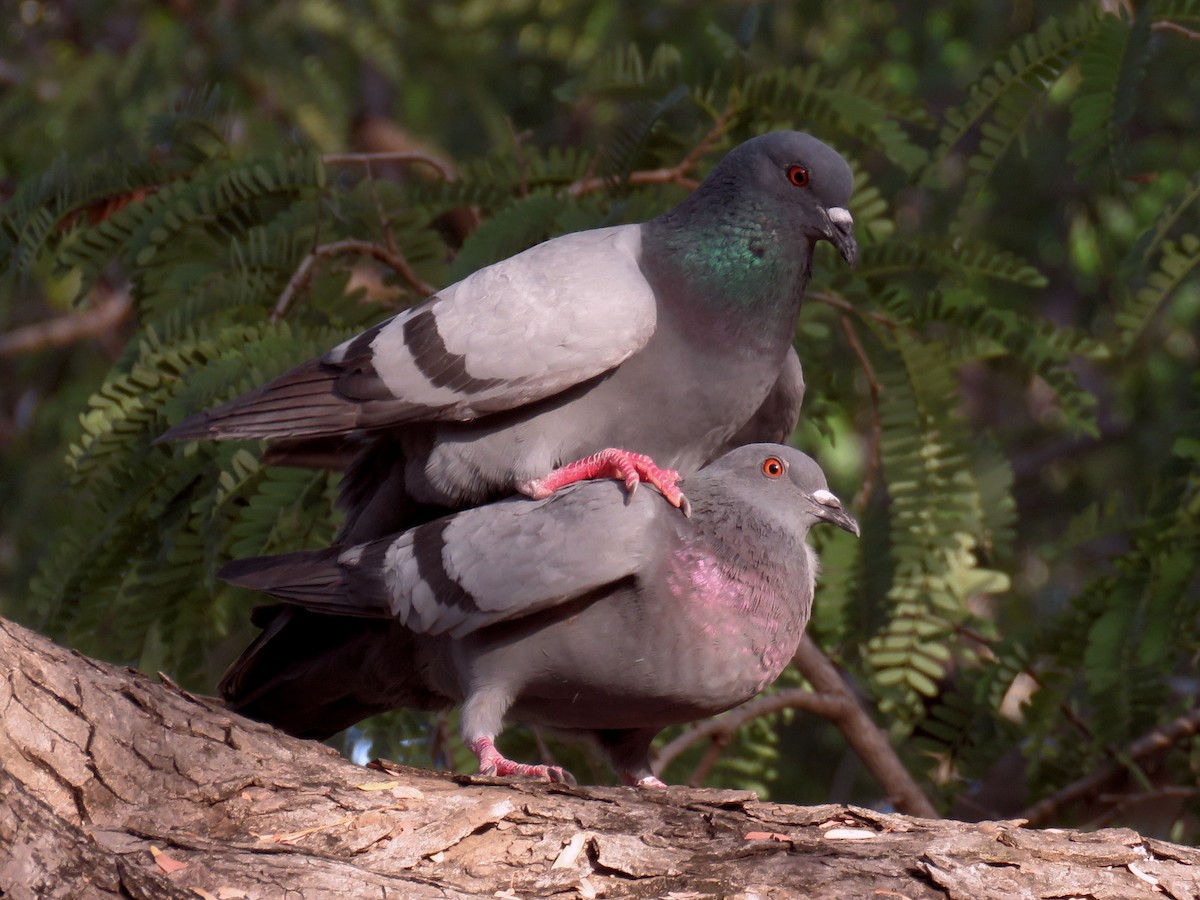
{"points": [[716, 749], [874, 460], [1095, 781], [831, 698], [726, 726], [677, 174], [846, 306], [518, 140], [1188, 33], [346, 248], [442, 167], [385, 222], [1122, 802], [107, 312]]}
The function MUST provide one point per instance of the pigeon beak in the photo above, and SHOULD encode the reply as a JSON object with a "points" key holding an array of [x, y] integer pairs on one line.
{"points": [[841, 233], [829, 508]]}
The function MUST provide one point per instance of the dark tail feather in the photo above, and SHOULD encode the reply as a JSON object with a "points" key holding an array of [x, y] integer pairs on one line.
{"points": [[316, 580], [374, 495], [314, 675], [333, 453], [301, 403]]}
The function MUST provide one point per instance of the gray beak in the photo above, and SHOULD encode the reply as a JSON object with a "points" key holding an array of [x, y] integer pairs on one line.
{"points": [[841, 233], [829, 508]]}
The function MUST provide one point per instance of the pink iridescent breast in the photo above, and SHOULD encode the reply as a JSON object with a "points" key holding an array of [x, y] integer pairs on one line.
{"points": [[751, 620]]}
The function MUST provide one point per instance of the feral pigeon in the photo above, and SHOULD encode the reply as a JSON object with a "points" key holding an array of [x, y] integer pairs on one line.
{"points": [[605, 352], [588, 611]]}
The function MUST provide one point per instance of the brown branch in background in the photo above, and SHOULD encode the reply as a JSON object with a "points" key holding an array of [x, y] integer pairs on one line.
{"points": [[104, 208], [1178, 29], [722, 729], [677, 174], [1094, 782], [518, 139], [347, 247], [1122, 803], [106, 312], [846, 306], [385, 221], [862, 734], [832, 699], [443, 168], [876, 437]]}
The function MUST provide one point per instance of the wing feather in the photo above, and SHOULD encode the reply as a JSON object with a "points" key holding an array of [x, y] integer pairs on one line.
{"points": [[526, 328]]}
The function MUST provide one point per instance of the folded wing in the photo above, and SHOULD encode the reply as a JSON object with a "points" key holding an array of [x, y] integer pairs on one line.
{"points": [[513, 333], [477, 568]]}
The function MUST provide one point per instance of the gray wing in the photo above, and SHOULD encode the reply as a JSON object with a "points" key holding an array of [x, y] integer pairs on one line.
{"points": [[476, 568], [504, 561], [510, 334]]}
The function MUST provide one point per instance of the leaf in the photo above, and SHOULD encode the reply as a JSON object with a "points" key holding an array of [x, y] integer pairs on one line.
{"points": [[166, 863], [1111, 66]]}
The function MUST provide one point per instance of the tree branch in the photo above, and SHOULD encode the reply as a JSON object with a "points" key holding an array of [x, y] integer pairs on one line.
{"points": [[443, 168], [723, 727], [106, 312], [831, 698], [114, 786], [1095, 781], [1188, 33], [845, 306], [874, 460], [677, 174], [347, 247], [861, 733]]}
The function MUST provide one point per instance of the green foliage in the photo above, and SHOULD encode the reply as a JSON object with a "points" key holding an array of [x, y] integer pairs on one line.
{"points": [[1110, 70], [1004, 384]]}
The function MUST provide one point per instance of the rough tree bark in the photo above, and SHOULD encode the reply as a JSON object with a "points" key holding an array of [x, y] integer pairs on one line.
{"points": [[112, 785]]}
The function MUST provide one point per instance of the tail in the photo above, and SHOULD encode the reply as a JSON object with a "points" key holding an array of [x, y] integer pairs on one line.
{"points": [[314, 675], [318, 580], [304, 402]]}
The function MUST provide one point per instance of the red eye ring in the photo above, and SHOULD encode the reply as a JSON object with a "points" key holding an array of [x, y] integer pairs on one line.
{"points": [[798, 175], [773, 467]]}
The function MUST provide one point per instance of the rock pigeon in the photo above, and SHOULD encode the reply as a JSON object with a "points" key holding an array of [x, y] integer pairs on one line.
{"points": [[605, 352], [589, 611]]}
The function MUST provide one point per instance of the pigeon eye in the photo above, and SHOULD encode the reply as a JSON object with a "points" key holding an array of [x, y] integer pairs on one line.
{"points": [[772, 467], [798, 175]]}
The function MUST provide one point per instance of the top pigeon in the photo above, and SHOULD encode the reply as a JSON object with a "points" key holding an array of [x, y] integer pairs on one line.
{"points": [[665, 338]]}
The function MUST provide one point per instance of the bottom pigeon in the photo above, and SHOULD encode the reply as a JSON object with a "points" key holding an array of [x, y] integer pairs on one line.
{"points": [[588, 611]]}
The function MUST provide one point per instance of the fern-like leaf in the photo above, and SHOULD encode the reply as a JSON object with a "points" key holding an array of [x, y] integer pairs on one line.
{"points": [[1111, 67]]}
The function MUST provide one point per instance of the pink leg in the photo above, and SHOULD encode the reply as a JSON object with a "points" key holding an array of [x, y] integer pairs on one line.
{"points": [[632, 468], [492, 762]]}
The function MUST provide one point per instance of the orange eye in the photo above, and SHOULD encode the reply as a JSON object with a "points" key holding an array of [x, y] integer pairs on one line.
{"points": [[772, 467], [798, 175]]}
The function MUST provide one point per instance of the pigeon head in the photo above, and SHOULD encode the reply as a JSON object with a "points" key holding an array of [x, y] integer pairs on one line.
{"points": [[775, 477], [801, 181], [743, 239]]}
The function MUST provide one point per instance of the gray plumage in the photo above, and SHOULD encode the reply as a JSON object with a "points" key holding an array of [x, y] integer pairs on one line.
{"points": [[583, 611], [670, 338]]}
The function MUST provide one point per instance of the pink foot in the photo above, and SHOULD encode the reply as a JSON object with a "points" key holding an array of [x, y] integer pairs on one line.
{"points": [[492, 762], [643, 781], [632, 468]]}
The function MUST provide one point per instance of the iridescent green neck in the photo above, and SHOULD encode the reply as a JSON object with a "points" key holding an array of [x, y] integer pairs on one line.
{"points": [[737, 261]]}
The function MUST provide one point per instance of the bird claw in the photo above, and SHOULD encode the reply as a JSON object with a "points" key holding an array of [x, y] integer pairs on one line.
{"points": [[632, 468], [633, 779], [493, 764]]}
